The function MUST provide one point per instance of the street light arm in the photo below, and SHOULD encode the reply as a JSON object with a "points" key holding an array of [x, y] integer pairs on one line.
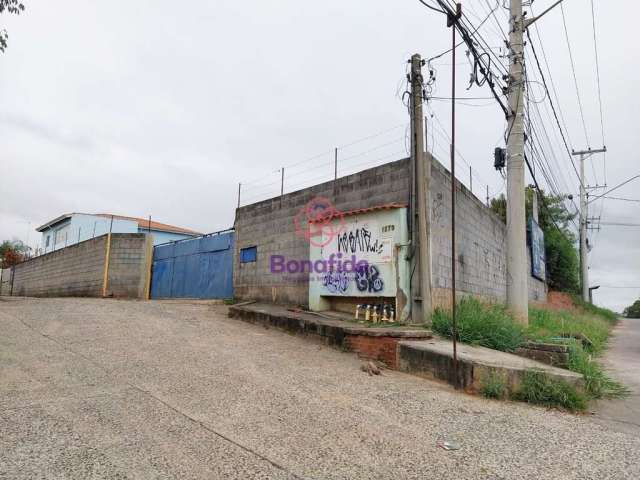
{"points": [[538, 17]]}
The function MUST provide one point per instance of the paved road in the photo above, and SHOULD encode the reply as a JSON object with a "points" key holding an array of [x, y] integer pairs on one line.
{"points": [[622, 361], [112, 389]]}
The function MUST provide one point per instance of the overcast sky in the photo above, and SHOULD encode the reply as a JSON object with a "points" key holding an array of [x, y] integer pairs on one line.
{"points": [[161, 107]]}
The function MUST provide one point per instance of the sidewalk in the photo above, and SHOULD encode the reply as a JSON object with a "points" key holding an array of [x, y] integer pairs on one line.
{"points": [[622, 361]]}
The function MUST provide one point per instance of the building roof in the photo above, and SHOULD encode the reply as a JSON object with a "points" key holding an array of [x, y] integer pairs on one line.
{"points": [[142, 223], [56, 220], [359, 211]]}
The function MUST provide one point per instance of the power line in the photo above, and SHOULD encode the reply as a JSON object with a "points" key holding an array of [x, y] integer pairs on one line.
{"points": [[616, 224], [475, 31], [543, 157], [553, 108], [612, 189], [493, 13], [595, 49], [431, 7], [575, 78], [622, 199], [485, 68], [553, 84]]}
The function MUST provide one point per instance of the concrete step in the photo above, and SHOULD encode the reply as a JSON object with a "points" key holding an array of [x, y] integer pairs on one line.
{"points": [[434, 359], [376, 343]]}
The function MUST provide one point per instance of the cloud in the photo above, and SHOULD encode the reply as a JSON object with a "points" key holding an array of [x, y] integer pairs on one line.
{"points": [[164, 109]]}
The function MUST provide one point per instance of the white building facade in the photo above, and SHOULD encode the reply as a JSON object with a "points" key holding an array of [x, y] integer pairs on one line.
{"points": [[72, 228]]}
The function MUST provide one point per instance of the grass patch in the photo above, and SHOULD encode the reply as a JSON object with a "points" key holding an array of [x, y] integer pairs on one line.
{"points": [[540, 389], [610, 316], [596, 382], [549, 326], [492, 326], [494, 385], [479, 324]]}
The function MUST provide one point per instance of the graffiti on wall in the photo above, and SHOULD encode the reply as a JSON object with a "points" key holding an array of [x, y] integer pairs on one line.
{"points": [[370, 241], [359, 240], [368, 279], [336, 282]]}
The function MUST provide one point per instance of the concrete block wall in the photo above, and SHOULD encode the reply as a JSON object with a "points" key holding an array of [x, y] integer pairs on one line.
{"points": [[481, 249], [129, 265], [480, 234], [78, 270], [5, 281], [269, 225]]}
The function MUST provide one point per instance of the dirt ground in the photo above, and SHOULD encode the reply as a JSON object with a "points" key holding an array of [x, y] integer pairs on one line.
{"points": [[95, 388]]}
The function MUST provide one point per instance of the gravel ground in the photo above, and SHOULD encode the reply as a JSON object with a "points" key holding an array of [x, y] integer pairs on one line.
{"points": [[116, 389]]}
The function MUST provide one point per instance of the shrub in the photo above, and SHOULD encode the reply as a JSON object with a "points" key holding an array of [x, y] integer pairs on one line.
{"points": [[563, 266], [540, 389], [478, 324]]}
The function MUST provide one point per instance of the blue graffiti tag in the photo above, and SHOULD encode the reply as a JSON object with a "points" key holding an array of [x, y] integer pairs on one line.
{"points": [[368, 279], [336, 282]]}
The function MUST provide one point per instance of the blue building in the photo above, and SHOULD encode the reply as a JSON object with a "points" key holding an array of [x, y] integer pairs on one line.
{"points": [[72, 228]]}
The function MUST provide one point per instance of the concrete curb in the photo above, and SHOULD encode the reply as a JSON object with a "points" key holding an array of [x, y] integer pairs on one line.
{"points": [[434, 359]]}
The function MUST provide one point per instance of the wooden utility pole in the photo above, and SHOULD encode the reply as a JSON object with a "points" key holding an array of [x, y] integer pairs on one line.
{"points": [[421, 175]]}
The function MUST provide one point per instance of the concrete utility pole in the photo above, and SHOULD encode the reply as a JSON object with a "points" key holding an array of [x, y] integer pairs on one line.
{"points": [[517, 272], [421, 176], [584, 257]]}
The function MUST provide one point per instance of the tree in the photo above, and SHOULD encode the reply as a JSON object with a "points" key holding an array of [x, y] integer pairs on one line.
{"points": [[12, 253], [633, 311], [9, 6], [563, 266]]}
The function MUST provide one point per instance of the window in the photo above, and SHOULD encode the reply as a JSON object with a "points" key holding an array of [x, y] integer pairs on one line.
{"points": [[249, 254]]}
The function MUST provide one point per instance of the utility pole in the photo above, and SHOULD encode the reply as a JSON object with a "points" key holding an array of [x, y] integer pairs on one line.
{"points": [[584, 257], [517, 272], [421, 174]]}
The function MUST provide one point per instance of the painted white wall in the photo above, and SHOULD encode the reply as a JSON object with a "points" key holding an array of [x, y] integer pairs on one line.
{"points": [[164, 237], [81, 227], [389, 229]]}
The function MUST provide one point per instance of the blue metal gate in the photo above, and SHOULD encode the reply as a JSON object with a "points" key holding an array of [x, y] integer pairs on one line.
{"points": [[196, 268]]}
